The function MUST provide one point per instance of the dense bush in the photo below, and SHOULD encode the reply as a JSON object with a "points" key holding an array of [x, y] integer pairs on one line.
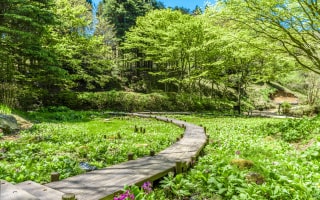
{"points": [[305, 110], [4, 109], [122, 101], [285, 106], [132, 102], [61, 114]]}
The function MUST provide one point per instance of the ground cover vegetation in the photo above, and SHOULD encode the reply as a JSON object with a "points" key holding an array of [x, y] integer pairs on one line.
{"points": [[251, 158], [66, 138]]}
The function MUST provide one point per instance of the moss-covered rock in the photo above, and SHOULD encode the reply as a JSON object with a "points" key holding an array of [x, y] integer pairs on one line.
{"points": [[8, 124], [254, 177], [23, 123], [242, 163]]}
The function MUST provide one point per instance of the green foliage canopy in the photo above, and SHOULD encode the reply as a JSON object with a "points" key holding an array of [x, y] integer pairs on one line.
{"points": [[293, 24], [123, 13]]}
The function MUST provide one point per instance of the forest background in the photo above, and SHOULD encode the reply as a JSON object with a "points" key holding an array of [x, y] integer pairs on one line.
{"points": [[140, 56]]}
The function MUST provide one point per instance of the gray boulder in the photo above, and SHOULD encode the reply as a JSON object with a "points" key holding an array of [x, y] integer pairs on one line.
{"points": [[8, 124], [23, 123]]}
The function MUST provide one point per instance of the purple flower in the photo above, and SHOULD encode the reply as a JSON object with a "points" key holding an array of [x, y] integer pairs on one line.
{"points": [[147, 187], [125, 196], [238, 152]]}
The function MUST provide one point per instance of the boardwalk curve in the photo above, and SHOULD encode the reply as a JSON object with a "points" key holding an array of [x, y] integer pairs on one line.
{"points": [[104, 183]]}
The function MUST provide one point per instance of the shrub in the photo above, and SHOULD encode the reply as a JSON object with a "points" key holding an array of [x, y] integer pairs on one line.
{"points": [[133, 102], [286, 108], [303, 110], [128, 102], [4, 109]]}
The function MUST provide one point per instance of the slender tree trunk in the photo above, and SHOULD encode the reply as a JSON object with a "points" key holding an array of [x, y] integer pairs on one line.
{"points": [[212, 89], [239, 97]]}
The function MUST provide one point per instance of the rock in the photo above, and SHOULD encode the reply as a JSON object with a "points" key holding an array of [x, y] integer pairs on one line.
{"points": [[269, 138], [8, 124], [255, 178], [24, 124], [87, 167]]}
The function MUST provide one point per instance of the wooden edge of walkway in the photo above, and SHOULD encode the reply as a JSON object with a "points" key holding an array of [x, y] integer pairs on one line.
{"points": [[140, 182], [188, 127]]}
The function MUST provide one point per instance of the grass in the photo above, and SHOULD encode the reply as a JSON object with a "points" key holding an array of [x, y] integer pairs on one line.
{"points": [[60, 146], [276, 169]]}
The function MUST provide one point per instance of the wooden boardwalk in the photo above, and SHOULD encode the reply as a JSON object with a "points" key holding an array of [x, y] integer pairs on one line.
{"points": [[104, 183]]}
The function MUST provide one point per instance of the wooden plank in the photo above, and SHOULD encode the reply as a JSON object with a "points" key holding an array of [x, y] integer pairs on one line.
{"points": [[12, 192], [101, 183], [40, 191]]}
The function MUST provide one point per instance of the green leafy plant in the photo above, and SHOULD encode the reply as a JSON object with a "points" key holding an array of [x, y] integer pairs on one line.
{"points": [[278, 169], [313, 152], [4, 109], [293, 130], [137, 193], [286, 107], [60, 146], [176, 186]]}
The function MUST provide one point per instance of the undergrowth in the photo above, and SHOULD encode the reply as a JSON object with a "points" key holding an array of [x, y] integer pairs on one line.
{"points": [[60, 141], [277, 170]]}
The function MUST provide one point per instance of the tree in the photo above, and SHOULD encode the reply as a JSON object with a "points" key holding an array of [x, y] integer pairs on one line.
{"points": [[123, 13], [182, 9], [179, 52], [82, 57], [157, 5], [293, 24], [105, 29], [146, 42], [23, 31], [243, 58], [312, 85], [197, 11], [171, 41]]}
